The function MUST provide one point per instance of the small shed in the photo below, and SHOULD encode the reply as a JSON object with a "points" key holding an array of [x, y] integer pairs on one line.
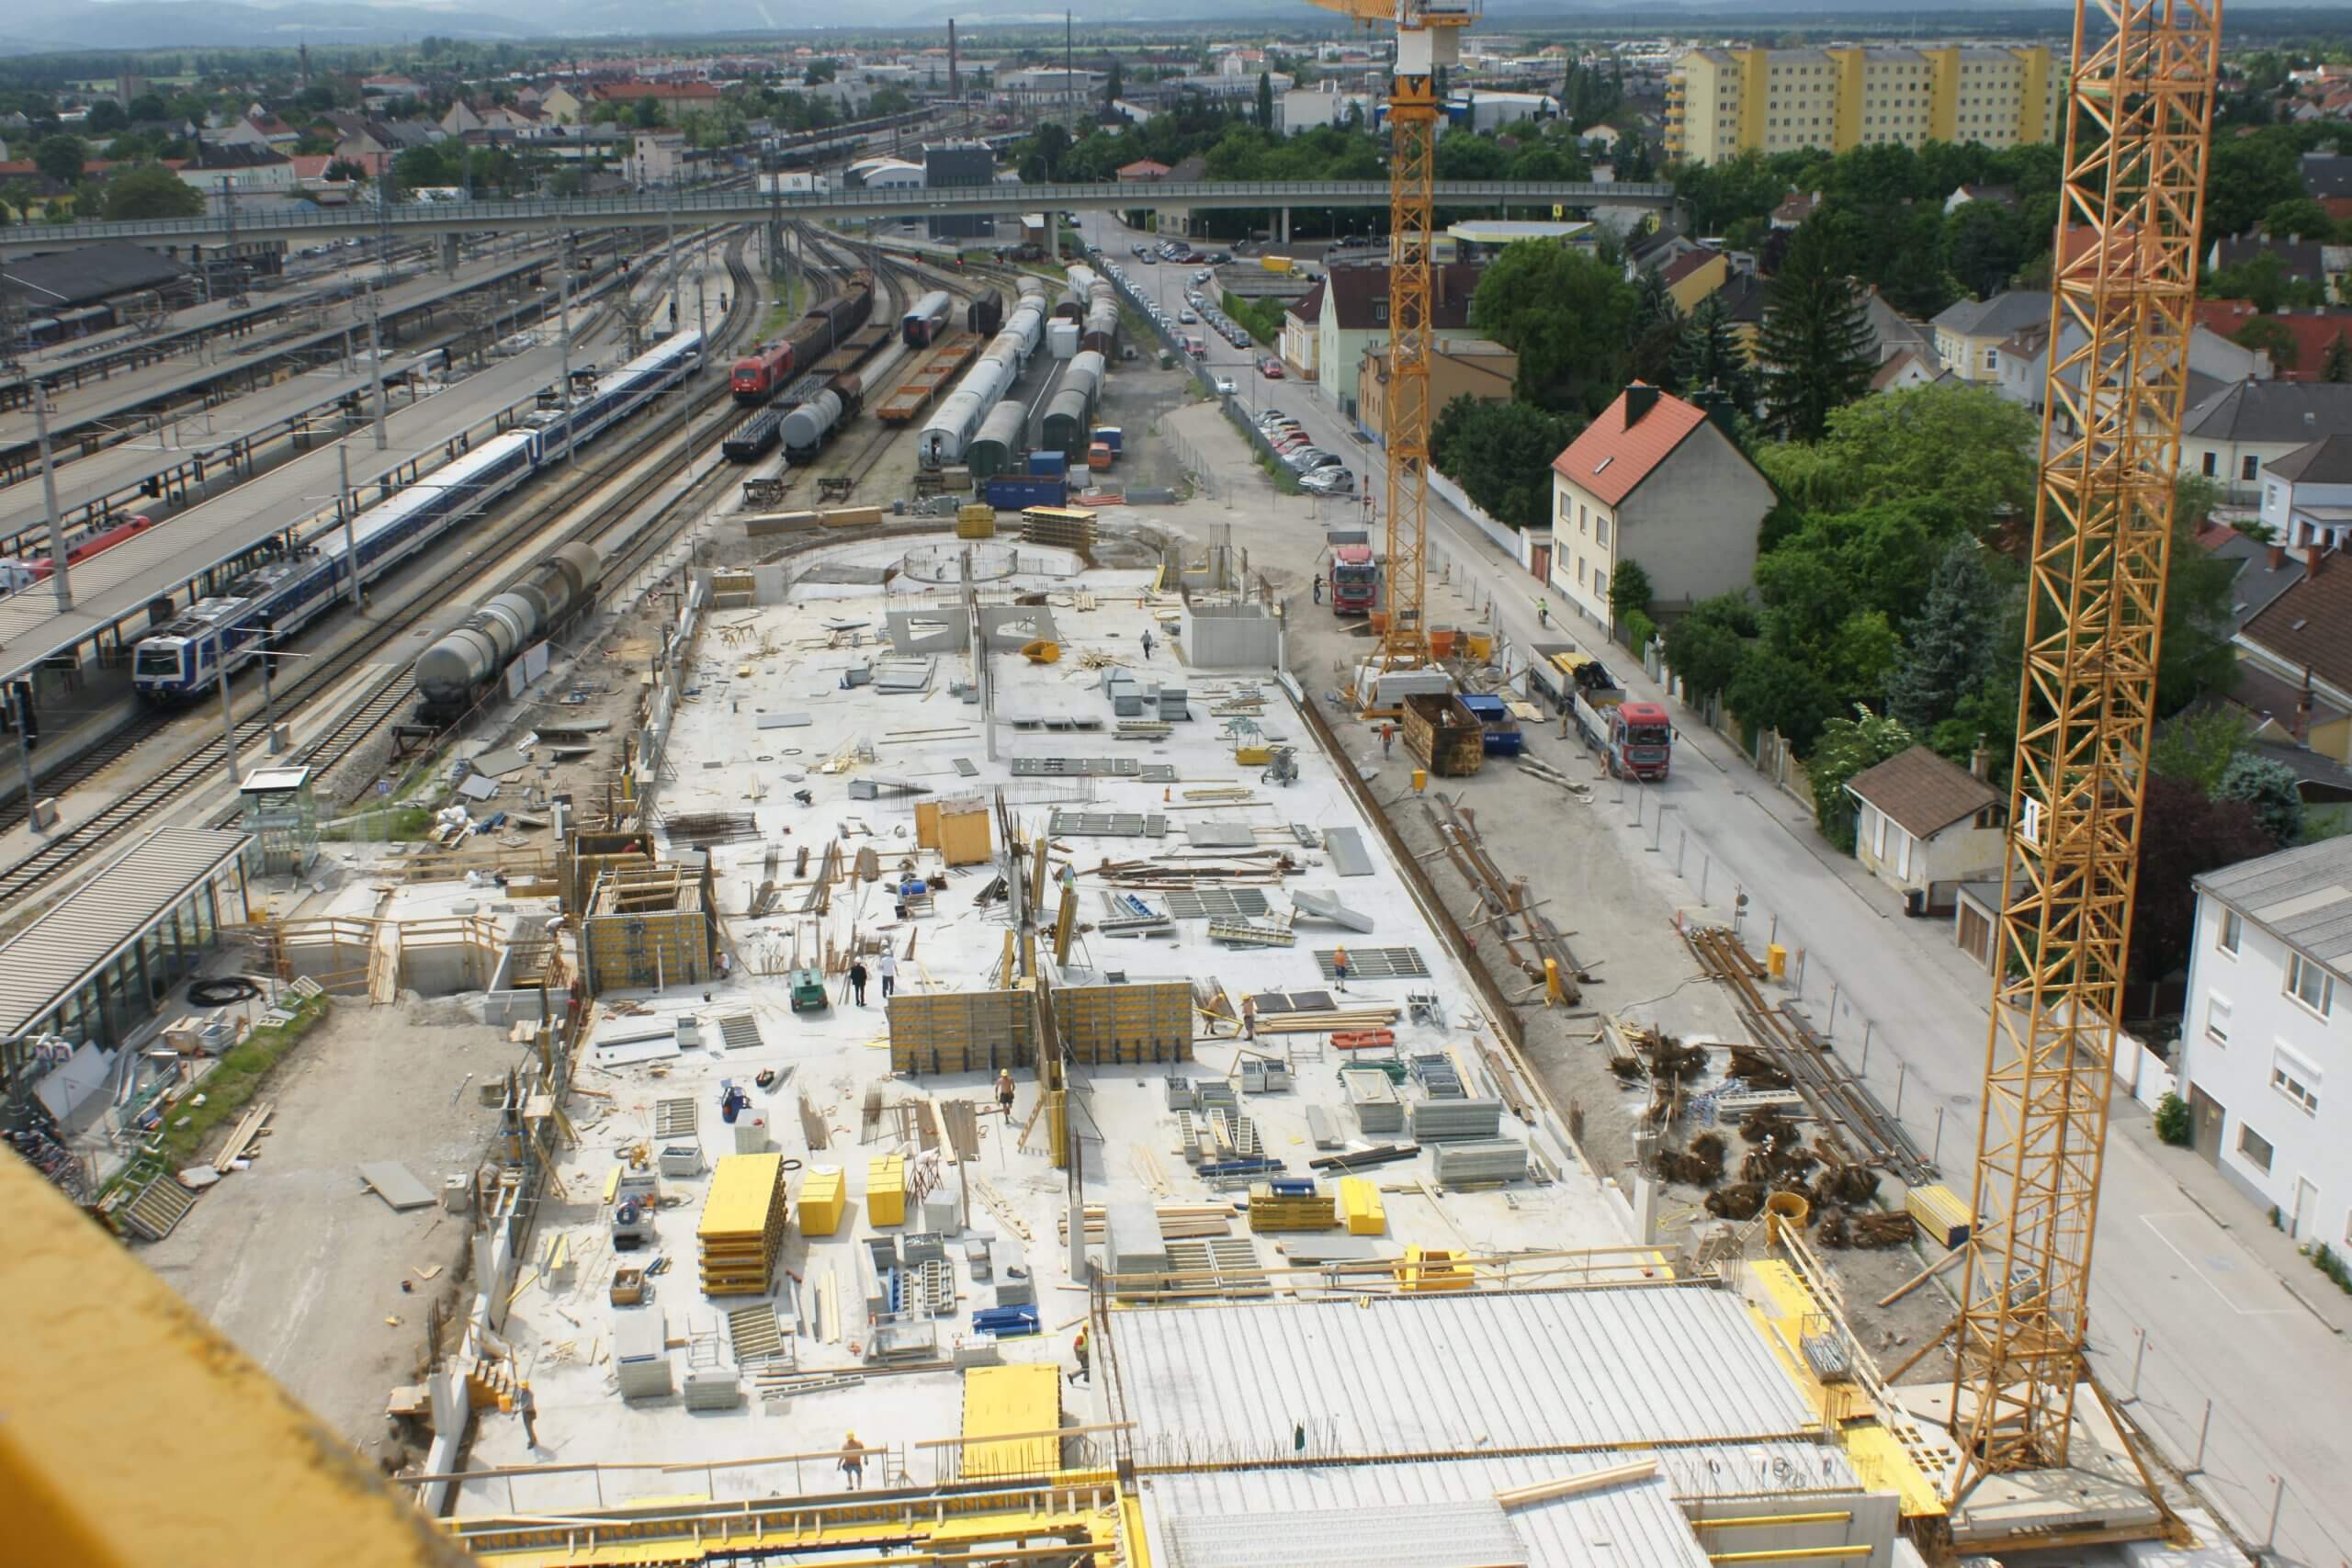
{"points": [[1926, 826]]}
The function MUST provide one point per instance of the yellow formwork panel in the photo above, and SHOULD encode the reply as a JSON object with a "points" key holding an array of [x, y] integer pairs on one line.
{"points": [[824, 1199], [742, 1194], [1779, 1305], [1431, 1268], [886, 1189], [1361, 1207], [1881, 1465], [1001, 1401]]}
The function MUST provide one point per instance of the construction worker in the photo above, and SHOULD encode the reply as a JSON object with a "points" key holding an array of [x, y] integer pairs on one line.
{"points": [[1387, 736], [852, 1461], [857, 980], [1319, 588], [1249, 1017], [1340, 967], [1543, 611], [1084, 1372], [1146, 644], [528, 1409], [888, 967], [1004, 1092]]}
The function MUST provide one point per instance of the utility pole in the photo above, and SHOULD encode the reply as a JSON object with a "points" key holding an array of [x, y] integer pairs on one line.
{"points": [[376, 362], [702, 286], [344, 509], [563, 280], [49, 500], [228, 724], [229, 235], [671, 242]]}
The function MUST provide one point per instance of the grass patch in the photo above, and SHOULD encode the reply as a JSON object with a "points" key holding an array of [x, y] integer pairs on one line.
{"points": [[1284, 480], [1262, 319], [782, 313], [403, 824], [233, 1081]]}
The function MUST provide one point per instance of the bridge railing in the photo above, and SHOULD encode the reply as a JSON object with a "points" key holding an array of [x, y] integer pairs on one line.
{"points": [[711, 205]]}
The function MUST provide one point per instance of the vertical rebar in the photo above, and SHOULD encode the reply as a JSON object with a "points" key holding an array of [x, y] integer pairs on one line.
{"points": [[1869, 1027], [1706, 865], [2139, 1352], [1902, 1075], [1936, 1155]]}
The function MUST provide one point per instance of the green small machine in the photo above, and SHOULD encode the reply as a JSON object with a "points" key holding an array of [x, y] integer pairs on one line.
{"points": [[807, 990]]}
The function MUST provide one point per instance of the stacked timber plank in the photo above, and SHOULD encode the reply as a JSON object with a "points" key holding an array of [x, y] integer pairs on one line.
{"points": [[1369, 1015], [742, 1225]]}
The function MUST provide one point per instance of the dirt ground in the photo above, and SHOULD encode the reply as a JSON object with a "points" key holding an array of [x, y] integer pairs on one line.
{"points": [[297, 1261]]}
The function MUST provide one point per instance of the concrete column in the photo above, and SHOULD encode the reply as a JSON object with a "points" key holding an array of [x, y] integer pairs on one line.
{"points": [[449, 254], [1281, 227]]}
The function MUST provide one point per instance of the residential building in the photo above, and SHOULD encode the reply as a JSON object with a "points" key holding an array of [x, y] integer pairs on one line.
{"points": [[1480, 109], [1723, 102], [1307, 109], [2303, 638], [1693, 276], [2327, 179], [383, 87], [946, 163], [1471, 367], [604, 99], [657, 157], [1654, 480], [2000, 196], [1969, 335], [2214, 362], [1354, 319], [2307, 495], [2313, 330], [2268, 1020], [1926, 825], [2232, 433], [1793, 211], [1301, 344], [245, 169], [2299, 260]]}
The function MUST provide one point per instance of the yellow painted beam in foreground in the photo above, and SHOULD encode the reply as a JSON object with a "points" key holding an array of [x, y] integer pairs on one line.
{"points": [[132, 1434]]}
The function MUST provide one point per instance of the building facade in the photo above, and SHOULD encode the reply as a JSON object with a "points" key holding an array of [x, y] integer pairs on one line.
{"points": [[2269, 1019], [1654, 480], [1723, 102]]}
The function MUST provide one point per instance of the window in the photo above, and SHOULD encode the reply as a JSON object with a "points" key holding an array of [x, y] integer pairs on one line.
{"points": [[1601, 586], [1992, 359], [2217, 1020], [1600, 528], [2246, 467], [2310, 984], [2254, 1148], [2210, 467], [2232, 933], [1564, 506], [1902, 854], [1582, 517], [2294, 1077], [1579, 572]]}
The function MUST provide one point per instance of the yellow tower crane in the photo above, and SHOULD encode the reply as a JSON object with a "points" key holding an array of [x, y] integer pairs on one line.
{"points": [[1429, 35], [2138, 130]]}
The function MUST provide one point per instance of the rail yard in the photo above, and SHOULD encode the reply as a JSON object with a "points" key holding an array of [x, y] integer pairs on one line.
{"points": [[719, 891]]}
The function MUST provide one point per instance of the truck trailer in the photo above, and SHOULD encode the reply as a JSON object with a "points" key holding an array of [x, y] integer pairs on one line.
{"points": [[1636, 740]]}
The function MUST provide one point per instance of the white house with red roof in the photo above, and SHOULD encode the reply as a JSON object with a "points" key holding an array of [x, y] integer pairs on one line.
{"points": [[1654, 480]]}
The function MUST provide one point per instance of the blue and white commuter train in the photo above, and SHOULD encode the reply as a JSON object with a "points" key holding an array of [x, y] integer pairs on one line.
{"points": [[263, 606]]}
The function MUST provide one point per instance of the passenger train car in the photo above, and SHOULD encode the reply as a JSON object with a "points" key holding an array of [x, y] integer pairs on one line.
{"points": [[180, 661]]}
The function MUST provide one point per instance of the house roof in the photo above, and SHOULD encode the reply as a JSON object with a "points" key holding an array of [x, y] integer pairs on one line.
{"points": [[1921, 793], [1144, 169], [1891, 331], [1904, 359], [87, 273], [2313, 329], [1688, 263], [2005, 196], [1308, 307], [236, 155], [2301, 258], [2309, 624], [2326, 174], [2258, 581], [2328, 462], [1359, 295], [2302, 895], [2276, 698], [2000, 316], [1796, 207], [1611, 458], [2290, 412], [1744, 295]]}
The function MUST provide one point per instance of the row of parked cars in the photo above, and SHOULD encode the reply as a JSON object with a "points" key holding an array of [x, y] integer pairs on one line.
{"points": [[1317, 469], [1222, 325]]}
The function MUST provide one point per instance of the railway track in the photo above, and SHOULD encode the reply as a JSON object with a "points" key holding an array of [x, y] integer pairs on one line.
{"points": [[368, 711]]}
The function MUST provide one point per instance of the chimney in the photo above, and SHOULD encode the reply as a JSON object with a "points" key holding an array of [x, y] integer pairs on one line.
{"points": [[2277, 557], [1980, 761], [2312, 554], [1640, 397], [2303, 710]]}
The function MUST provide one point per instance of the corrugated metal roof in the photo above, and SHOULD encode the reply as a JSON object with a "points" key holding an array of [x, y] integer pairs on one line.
{"points": [[2303, 895], [1479, 1372], [1637, 1522], [58, 951]]}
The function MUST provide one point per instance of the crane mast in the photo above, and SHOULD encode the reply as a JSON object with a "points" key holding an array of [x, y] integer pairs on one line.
{"points": [[1428, 36], [2138, 134]]}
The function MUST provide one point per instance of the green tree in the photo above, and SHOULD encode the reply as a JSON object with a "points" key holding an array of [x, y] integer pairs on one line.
{"points": [[647, 113], [888, 100], [1116, 87], [1951, 641], [2197, 745], [150, 107], [1963, 447], [1500, 453], [150, 190], [1657, 332], [426, 166], [1815, 343], [2262, 279], [2336, 364], [1566, 315], [1983, 244], [2269, 337], [106, 118], [60, 157], [1464, 155], [2183, 834], [2270, 790], [1847, 746], [2196, 657], [1629, 591], [2299, 218], [1628, 159], [1708, 354], [1774, 691], [1706, 647], [1265, 101]]}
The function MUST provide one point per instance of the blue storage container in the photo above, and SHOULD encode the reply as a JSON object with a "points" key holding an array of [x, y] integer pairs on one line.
{"points": [[1111, 435], [1048, 463], [1016, 494]]}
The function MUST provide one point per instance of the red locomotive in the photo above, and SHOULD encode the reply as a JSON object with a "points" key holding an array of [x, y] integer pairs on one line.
{"points": [[767, 370]]}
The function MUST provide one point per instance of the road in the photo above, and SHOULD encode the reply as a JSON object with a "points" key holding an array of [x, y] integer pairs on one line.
{"points": [[2177, 1255]]}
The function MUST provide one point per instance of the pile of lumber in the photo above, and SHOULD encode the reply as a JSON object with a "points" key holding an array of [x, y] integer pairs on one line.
{"points": [[1371, 1015], [1178, 1222]]}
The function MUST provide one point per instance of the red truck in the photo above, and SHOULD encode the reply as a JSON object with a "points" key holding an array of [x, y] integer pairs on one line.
{"points": [[1635, 738], [1355, 574]]}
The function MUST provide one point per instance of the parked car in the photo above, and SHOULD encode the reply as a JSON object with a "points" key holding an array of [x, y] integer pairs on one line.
{"points": [[1329, 481]]}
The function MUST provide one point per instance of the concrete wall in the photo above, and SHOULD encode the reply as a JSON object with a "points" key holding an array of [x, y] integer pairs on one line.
{"points": [[1692, 523], [1231, 637]]}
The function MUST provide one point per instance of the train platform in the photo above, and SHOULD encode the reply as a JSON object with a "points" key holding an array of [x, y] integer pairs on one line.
{"points": [[117, 586], [117, 398]]}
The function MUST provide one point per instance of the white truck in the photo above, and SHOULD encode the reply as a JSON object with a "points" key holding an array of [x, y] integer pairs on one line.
{"points": [[793, 182]]}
